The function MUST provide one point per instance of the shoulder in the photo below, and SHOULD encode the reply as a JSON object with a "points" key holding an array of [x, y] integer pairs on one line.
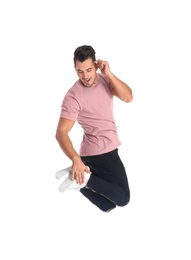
{"points": [[104, 81], [103, 78], [75, 90]]}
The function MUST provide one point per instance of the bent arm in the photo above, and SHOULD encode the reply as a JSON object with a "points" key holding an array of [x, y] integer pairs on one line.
{"points": [[62, 137], [120, 89]]}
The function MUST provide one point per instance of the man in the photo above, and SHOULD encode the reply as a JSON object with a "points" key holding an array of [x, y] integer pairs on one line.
{"points": [[97, 171]]}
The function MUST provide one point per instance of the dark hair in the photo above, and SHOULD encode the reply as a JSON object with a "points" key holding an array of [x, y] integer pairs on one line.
{"points": [[83, 53]]}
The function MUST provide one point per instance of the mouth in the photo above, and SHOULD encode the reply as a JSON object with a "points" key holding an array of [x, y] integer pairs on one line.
{"points": [[86, 81]]}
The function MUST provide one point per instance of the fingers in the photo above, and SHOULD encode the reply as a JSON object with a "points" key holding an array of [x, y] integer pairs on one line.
{"points": [[80, 178], [103, 66], [100, 64], [87, 169], [78, 175]]}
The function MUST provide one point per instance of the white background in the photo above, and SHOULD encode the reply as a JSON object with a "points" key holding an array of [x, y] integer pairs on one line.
{"points": [[147, 44]]}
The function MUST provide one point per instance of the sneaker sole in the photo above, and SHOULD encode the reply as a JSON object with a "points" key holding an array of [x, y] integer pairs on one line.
{"points": [[63, 173]]}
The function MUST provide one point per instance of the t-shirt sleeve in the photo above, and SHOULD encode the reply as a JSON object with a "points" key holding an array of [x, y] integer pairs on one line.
{"points": [[70, 107], [107, 81]]}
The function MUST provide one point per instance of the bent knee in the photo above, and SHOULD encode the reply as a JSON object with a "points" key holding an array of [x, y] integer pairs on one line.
{"points": [[125, 201]]}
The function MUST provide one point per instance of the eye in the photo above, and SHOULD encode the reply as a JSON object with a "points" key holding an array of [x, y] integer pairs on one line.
{"points": [[89, 70]]}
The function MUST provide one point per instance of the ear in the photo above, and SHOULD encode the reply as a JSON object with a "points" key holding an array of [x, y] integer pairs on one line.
{"points": [[96, 65]]}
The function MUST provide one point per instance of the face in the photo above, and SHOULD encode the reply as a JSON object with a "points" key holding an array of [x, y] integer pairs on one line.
{"points": [[86, 72]]}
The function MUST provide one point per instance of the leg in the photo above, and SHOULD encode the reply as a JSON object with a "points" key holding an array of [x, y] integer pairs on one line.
{"points": [[108, 179], [102, 203]]}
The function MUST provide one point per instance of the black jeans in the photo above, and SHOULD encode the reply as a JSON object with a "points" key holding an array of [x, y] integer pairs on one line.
{"points": [[108, 184]]}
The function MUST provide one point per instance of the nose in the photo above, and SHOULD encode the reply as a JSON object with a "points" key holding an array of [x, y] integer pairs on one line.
{"points": [[85, 75]]}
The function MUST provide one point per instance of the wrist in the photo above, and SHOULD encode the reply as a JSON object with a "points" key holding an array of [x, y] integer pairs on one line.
{"points": [[76, 158]]}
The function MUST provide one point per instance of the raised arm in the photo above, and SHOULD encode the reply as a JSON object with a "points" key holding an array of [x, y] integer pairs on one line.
{"points": [[120, 89]]}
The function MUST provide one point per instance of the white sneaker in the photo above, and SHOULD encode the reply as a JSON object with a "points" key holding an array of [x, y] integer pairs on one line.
{"points": [[63, 173], [69, 184]]}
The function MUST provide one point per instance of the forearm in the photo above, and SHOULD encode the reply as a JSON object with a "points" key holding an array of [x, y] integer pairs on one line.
{"points": [[67, 147], [78, 167], [120, 89]]}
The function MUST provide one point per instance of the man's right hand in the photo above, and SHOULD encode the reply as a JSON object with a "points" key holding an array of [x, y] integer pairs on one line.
{"points": [[78, 169]]}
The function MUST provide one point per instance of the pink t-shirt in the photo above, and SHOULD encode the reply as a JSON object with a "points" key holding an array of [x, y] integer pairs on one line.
{"points": [[92, 107]]}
